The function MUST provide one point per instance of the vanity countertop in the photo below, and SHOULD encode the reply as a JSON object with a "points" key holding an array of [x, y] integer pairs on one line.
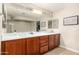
{"points": [[13, 36]]}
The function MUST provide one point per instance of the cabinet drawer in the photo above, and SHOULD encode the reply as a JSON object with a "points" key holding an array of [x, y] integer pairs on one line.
{"points": [[43, 44], [43, 39], [43, 49]]}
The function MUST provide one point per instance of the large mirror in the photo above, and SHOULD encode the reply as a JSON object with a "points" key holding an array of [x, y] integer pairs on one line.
{"points": [[23, 17], [20, 18]]}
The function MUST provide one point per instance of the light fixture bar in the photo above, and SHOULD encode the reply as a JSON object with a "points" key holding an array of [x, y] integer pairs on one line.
{"points": [[37, 11]]}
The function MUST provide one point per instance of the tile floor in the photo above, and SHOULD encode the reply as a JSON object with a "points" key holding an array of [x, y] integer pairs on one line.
{"points": [[61, 51]]}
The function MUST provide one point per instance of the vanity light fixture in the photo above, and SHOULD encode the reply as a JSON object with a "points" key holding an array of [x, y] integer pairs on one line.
{"points": [[37, 11]]}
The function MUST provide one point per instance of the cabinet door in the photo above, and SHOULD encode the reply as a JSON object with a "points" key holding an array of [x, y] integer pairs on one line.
{"points": [[57, 40], [9, 47], [20, 47], [51, 42], [33, 46], [13, 47]]}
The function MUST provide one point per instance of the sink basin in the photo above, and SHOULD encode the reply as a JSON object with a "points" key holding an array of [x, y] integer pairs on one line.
{"points": [[31, 33]]}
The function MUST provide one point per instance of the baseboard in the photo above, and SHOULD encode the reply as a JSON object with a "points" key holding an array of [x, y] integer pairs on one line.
{"points": [[69, 49]]}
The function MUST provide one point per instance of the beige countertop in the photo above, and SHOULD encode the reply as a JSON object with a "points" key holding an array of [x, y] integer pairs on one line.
{"points": [[13, 36]]}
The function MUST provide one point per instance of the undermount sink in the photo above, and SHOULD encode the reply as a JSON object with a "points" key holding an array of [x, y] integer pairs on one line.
{"points": [[31, 33]]}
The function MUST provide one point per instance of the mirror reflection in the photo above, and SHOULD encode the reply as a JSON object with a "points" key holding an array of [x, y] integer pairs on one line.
{"points": [[25, 17]]}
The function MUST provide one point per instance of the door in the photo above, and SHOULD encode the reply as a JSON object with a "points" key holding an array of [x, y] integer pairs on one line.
{"points": [[33, 46]]}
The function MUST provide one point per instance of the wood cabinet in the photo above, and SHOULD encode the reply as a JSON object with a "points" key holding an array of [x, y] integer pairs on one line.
{"points": [[20, 47], [13, 47], [51, 42], [32, 46], [43, 39], [43, 44], [54, 41], [44, 49], [57, 40], [9, 47], [2, 48]]}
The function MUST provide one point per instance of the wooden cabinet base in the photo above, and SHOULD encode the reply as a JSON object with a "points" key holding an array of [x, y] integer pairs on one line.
{"points": [[30, 46], [13, 47]]}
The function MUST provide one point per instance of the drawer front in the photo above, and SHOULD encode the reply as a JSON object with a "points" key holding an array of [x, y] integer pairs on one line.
{"points": [[43, 39], [43, 44], [43, 49]]}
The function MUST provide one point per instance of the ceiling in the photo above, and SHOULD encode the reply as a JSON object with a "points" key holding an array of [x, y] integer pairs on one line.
{"points": [[48, 6], [51, 6], [25, 9]]}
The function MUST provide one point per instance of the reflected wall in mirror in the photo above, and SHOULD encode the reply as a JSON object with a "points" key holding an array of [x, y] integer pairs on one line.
{"points": [[4, 20], [49, 24], [55, 23], [20, 26], [43, 25]]}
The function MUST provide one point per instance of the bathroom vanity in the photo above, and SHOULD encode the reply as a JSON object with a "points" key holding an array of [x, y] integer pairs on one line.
{"points": [[33, 44]]}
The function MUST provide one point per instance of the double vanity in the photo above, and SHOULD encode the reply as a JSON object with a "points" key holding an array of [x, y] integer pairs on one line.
{"points": [[30, 43]]}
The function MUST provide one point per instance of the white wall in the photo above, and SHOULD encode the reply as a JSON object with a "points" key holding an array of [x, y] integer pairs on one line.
{"points": [[33, 26], [69, 34]]}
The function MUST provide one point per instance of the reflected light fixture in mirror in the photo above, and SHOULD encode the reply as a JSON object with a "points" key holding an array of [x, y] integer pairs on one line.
{"points": [[37, 11]]}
